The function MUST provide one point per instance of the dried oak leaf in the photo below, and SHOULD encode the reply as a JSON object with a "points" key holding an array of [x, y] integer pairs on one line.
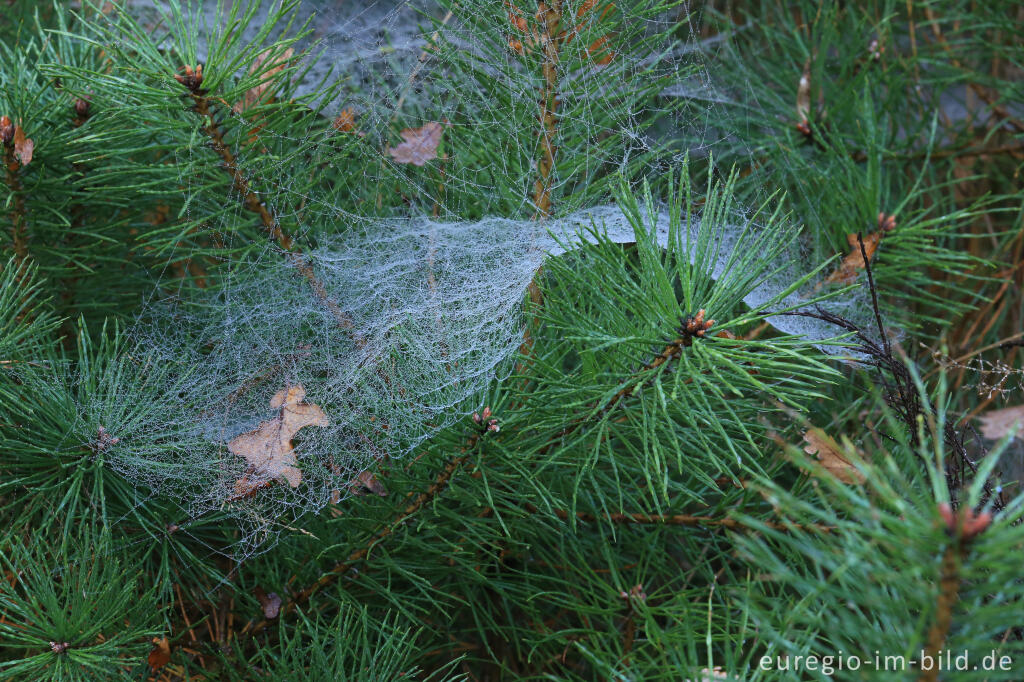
{"points": [[160, 654], [256, 94], [420, 144], [831, 456], [23, 146], [268, 448], [997, 424]]}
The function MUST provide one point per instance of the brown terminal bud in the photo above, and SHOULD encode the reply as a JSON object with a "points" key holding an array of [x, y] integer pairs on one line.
{"points": [[192, 78], [6, 130], [82, 106]]}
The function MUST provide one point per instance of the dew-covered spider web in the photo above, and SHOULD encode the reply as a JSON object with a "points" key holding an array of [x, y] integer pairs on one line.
{"points": [[403, 297]]}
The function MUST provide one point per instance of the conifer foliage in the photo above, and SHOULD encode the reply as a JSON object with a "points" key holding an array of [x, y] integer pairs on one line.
{"points": [[574, 339]]}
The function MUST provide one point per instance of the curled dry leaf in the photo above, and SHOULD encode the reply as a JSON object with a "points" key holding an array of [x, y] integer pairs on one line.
{"points": [[420, 144], [256, 94], [997, 424], [831, 456], [271, 603], [23, 146], [268, 448], [160, 654]]}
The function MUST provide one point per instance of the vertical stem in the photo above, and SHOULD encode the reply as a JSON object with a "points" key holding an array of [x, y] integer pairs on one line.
{"points": [[19, 228], [949, 593], [551, 19]]}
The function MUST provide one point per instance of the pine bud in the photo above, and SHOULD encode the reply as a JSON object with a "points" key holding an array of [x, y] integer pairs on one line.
{"points": [[192, 79], [82, 106]]}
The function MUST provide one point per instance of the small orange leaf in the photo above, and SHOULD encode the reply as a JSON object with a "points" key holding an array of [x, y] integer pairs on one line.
{"points": [[346, 121], [160, 654], [420, 144], [268, 447], [23, 146], [853, 263], [831, 456]]}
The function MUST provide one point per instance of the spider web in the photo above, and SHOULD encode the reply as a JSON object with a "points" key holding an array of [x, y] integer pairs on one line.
{"points": [[421, 306]]}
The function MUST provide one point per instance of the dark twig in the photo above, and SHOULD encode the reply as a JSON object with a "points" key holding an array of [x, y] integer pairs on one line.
{"points": [[901, 393]]}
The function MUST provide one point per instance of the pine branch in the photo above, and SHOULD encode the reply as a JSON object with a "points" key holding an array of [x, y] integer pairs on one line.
{"points": [[193, 80], [634, 518], [550, 18], [963, 526]]}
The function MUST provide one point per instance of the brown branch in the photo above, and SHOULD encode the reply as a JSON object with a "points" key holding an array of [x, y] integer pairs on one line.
{"points": [[192, 80], [418, 502], [19, 227], [677, 520], [949, 594], [551, 19]]}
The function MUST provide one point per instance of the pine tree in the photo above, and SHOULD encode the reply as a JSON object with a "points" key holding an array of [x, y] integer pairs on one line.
{"points": [[581, 340]]}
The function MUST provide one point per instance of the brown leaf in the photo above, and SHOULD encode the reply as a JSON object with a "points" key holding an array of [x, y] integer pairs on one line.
{"points": [[268, 448], [346, 121], [367, 481], [420, 144], [160, 654], [853, 263], [997, 424], [831, 456], [23, 146], [271, 603], [255, 94]]}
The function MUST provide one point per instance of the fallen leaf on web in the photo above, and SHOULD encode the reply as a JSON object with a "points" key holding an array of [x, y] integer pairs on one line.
{"points": [[420, 144], [255, 94], [160, 654], [831, 456], [268, 448], [23, 146], [346, 121], [997, 424]]}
